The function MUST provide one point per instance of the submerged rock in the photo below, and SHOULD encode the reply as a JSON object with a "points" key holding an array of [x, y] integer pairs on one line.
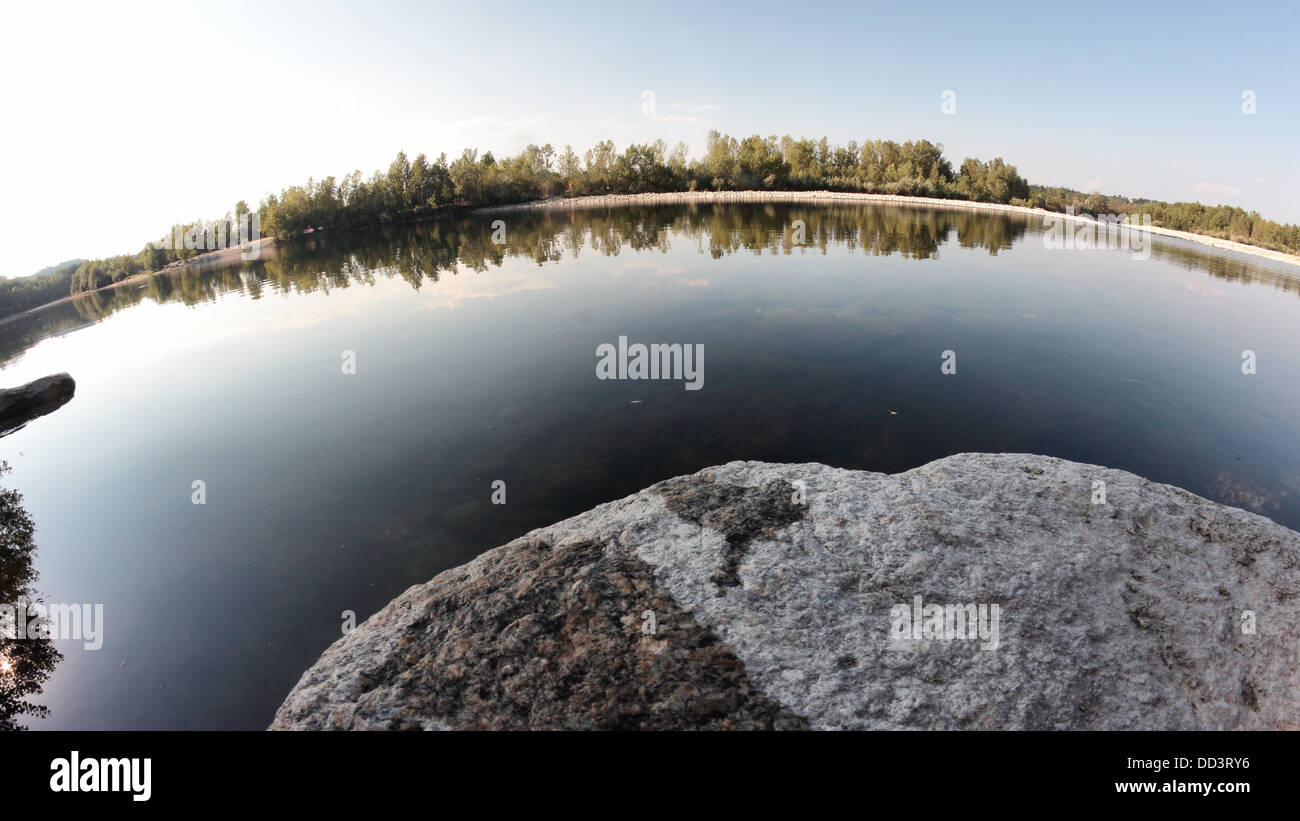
{"points": [[757, 596], [20, 405]]}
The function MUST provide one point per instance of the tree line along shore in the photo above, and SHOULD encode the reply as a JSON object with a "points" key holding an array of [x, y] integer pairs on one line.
{"points": [[421, 189]]}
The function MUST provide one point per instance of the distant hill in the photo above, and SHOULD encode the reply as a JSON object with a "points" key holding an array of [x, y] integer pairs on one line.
{"points": [[71, 264], [18, 294]]}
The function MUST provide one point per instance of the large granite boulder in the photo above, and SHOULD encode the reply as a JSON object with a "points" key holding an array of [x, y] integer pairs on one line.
{"points": [[20, 405], [756, 596]]}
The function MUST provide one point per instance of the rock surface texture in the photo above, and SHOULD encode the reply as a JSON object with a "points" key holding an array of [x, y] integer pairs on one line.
{"points": [[767, 596], [18, 406]]}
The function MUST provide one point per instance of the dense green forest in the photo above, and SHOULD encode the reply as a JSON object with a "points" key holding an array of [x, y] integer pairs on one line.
{"points": [[420, 188], [417, 188]]}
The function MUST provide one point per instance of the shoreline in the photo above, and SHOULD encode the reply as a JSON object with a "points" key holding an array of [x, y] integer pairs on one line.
{"points": [[710, 198], [822, 197], [223, 255]]}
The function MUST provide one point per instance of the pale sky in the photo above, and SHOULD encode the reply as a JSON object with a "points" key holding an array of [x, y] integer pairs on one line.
{"points": [[122, 119]]}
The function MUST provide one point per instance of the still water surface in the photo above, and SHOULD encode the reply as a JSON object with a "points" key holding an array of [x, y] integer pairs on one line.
{"points": [[329, 492]]}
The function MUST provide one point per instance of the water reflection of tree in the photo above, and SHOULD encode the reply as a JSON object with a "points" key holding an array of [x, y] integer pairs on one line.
{"points": [[417, 253], [22, 332], [421, 253], [25, 664]]}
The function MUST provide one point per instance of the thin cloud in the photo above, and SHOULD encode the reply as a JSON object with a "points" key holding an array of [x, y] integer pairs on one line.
{"points": [[1217, 188], [692, 109], [497, 123], [684, 113]]}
